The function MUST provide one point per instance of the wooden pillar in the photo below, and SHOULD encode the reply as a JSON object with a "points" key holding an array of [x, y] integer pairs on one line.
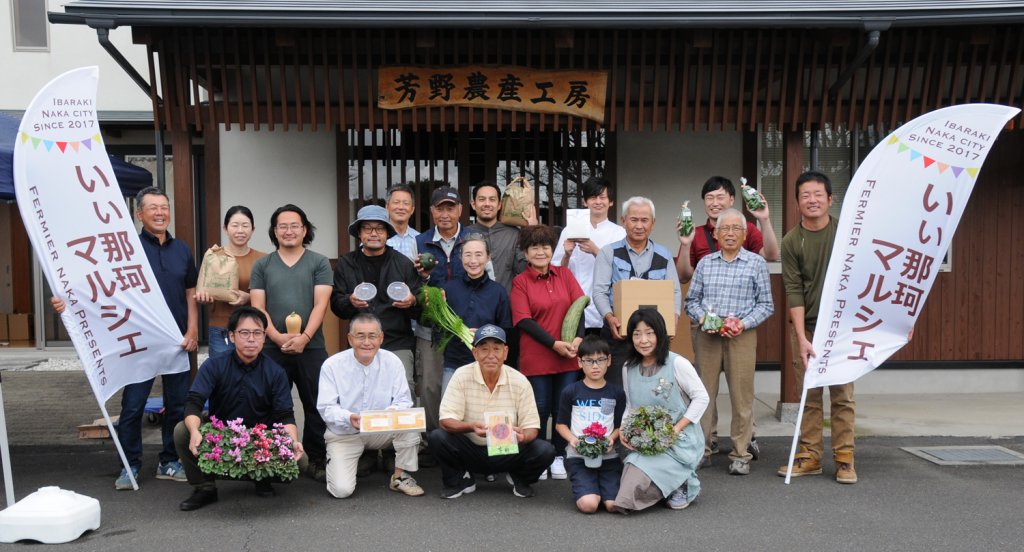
{"points": [[792, 167], [211, 188], [342, 185], [184, 197], [184, 207], [464, 183]]}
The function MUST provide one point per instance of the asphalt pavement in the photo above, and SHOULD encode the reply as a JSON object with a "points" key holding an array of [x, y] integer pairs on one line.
{"points": [[902, 502]]}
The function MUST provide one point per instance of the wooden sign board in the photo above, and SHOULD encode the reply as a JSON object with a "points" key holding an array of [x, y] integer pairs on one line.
{"points": [[580, 93]]}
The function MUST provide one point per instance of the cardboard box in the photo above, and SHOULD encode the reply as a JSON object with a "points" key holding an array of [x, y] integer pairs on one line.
{"points": [[19, 327], [4, 336], [96, 430], [631, 295]]}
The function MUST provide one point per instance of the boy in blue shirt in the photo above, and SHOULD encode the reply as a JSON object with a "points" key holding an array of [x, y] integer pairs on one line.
{"points": [[590, 400]]}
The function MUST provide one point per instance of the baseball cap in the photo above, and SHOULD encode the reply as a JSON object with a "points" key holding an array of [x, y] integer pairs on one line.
{"points": [[443, 194], [489, 331]]}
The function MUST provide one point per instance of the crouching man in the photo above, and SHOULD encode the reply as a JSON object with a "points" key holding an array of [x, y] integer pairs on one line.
{"points": [[460, 444], [245, 384], [356, 380]]}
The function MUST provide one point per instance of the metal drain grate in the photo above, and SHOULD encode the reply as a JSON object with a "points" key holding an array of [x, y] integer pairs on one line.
{"points": [[989, 455]]}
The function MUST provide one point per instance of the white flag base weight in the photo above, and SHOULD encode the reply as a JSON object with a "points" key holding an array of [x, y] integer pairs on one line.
{"points": [[50, 515]]}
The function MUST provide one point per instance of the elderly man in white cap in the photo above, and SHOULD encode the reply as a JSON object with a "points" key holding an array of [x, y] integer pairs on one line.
{"points": [[488, 386]]}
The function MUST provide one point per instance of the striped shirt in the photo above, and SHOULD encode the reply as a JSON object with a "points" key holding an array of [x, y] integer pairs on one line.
{"points": [[739, 287], [468, 398]]}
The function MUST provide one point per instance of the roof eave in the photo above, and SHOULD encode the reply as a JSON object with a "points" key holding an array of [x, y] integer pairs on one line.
{"points": [[479, 20]]}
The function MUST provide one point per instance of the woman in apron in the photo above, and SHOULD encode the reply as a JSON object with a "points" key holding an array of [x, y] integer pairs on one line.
{"points": [[655, 376]]}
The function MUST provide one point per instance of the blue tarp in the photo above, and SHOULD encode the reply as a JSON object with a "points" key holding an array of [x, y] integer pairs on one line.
{"points": [[129, 177]]}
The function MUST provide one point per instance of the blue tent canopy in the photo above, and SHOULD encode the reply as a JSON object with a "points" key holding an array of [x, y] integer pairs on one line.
{"points": [[130, 177]]}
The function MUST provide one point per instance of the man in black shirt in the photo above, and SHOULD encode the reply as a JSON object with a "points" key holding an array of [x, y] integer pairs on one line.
{"points": [[245, 384], [377, 263]]}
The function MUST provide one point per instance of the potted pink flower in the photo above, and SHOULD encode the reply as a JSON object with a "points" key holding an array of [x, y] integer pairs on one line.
{"points": [[229, 449], [593, 444]]}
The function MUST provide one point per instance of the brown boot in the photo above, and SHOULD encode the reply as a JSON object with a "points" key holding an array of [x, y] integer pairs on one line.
{"points": [[803, 464], [844, 468]]}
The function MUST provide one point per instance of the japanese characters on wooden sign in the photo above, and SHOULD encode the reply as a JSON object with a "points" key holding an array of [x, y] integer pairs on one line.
{"points": [[575, 92]]}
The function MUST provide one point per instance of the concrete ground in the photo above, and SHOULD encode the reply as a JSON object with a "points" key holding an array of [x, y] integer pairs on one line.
{"points": [[901, 503]]}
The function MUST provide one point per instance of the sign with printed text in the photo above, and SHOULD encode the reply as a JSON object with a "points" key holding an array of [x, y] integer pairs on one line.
{"points": [[85, 240], [396, 420], [564, 92], [501, 436], [897, 222]]}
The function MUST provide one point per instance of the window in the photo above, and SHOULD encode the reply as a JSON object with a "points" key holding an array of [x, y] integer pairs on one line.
{"points": [[31, 31], [839, 154]]}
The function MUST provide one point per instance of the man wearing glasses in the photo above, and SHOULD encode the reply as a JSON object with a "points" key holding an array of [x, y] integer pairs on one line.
{"points": [[732, 283], [294, 279], [375, 262], [244, 384]]}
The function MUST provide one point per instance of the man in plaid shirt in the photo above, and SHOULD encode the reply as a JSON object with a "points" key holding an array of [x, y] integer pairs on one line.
{"points": [[732, 283]]}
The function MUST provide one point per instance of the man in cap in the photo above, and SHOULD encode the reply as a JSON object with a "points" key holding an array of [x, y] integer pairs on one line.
{"points": [[488, 386], [444, 242], [374, 262]]}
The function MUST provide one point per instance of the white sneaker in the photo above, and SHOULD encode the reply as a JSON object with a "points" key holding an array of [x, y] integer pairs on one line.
{"points": [[558, 468], [543, 475]]}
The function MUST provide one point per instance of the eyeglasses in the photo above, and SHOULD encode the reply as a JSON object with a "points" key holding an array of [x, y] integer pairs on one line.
{"points": [[287, 227], [365, 337], [243, 225], [734, 228], [374, 229], [250, 334], [593, 361]]}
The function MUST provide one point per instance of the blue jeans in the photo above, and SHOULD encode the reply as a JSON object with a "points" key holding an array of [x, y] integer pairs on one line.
{"points": [[219, 342], [445, 378], [546, 391], [133, 408]]}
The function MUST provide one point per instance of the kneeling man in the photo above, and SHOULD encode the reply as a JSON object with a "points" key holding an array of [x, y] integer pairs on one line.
{"points": [[245, 384], [460, 444], [353, 381]]}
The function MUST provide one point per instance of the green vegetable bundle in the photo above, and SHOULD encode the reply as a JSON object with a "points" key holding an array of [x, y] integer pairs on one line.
{"points": [[712, 322], [751, 196], [685, 220], [438, 313]]}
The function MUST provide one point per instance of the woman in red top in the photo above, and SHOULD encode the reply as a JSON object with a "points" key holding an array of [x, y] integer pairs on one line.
{"points": [[540, 298]]}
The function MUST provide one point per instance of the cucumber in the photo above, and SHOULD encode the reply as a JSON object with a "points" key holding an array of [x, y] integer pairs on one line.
{"points": [[571, 322]]}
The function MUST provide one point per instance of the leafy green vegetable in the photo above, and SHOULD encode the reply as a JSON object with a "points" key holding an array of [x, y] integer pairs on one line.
{"points": [[438, 313]]}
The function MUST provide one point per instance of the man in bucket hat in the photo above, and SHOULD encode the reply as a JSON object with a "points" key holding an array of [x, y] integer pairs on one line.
{"points": [[482, 392], [375, 262]]}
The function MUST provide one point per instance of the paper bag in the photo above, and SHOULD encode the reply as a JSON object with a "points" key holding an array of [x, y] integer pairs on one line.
{"points": [[218, 274], [516, 202]]}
